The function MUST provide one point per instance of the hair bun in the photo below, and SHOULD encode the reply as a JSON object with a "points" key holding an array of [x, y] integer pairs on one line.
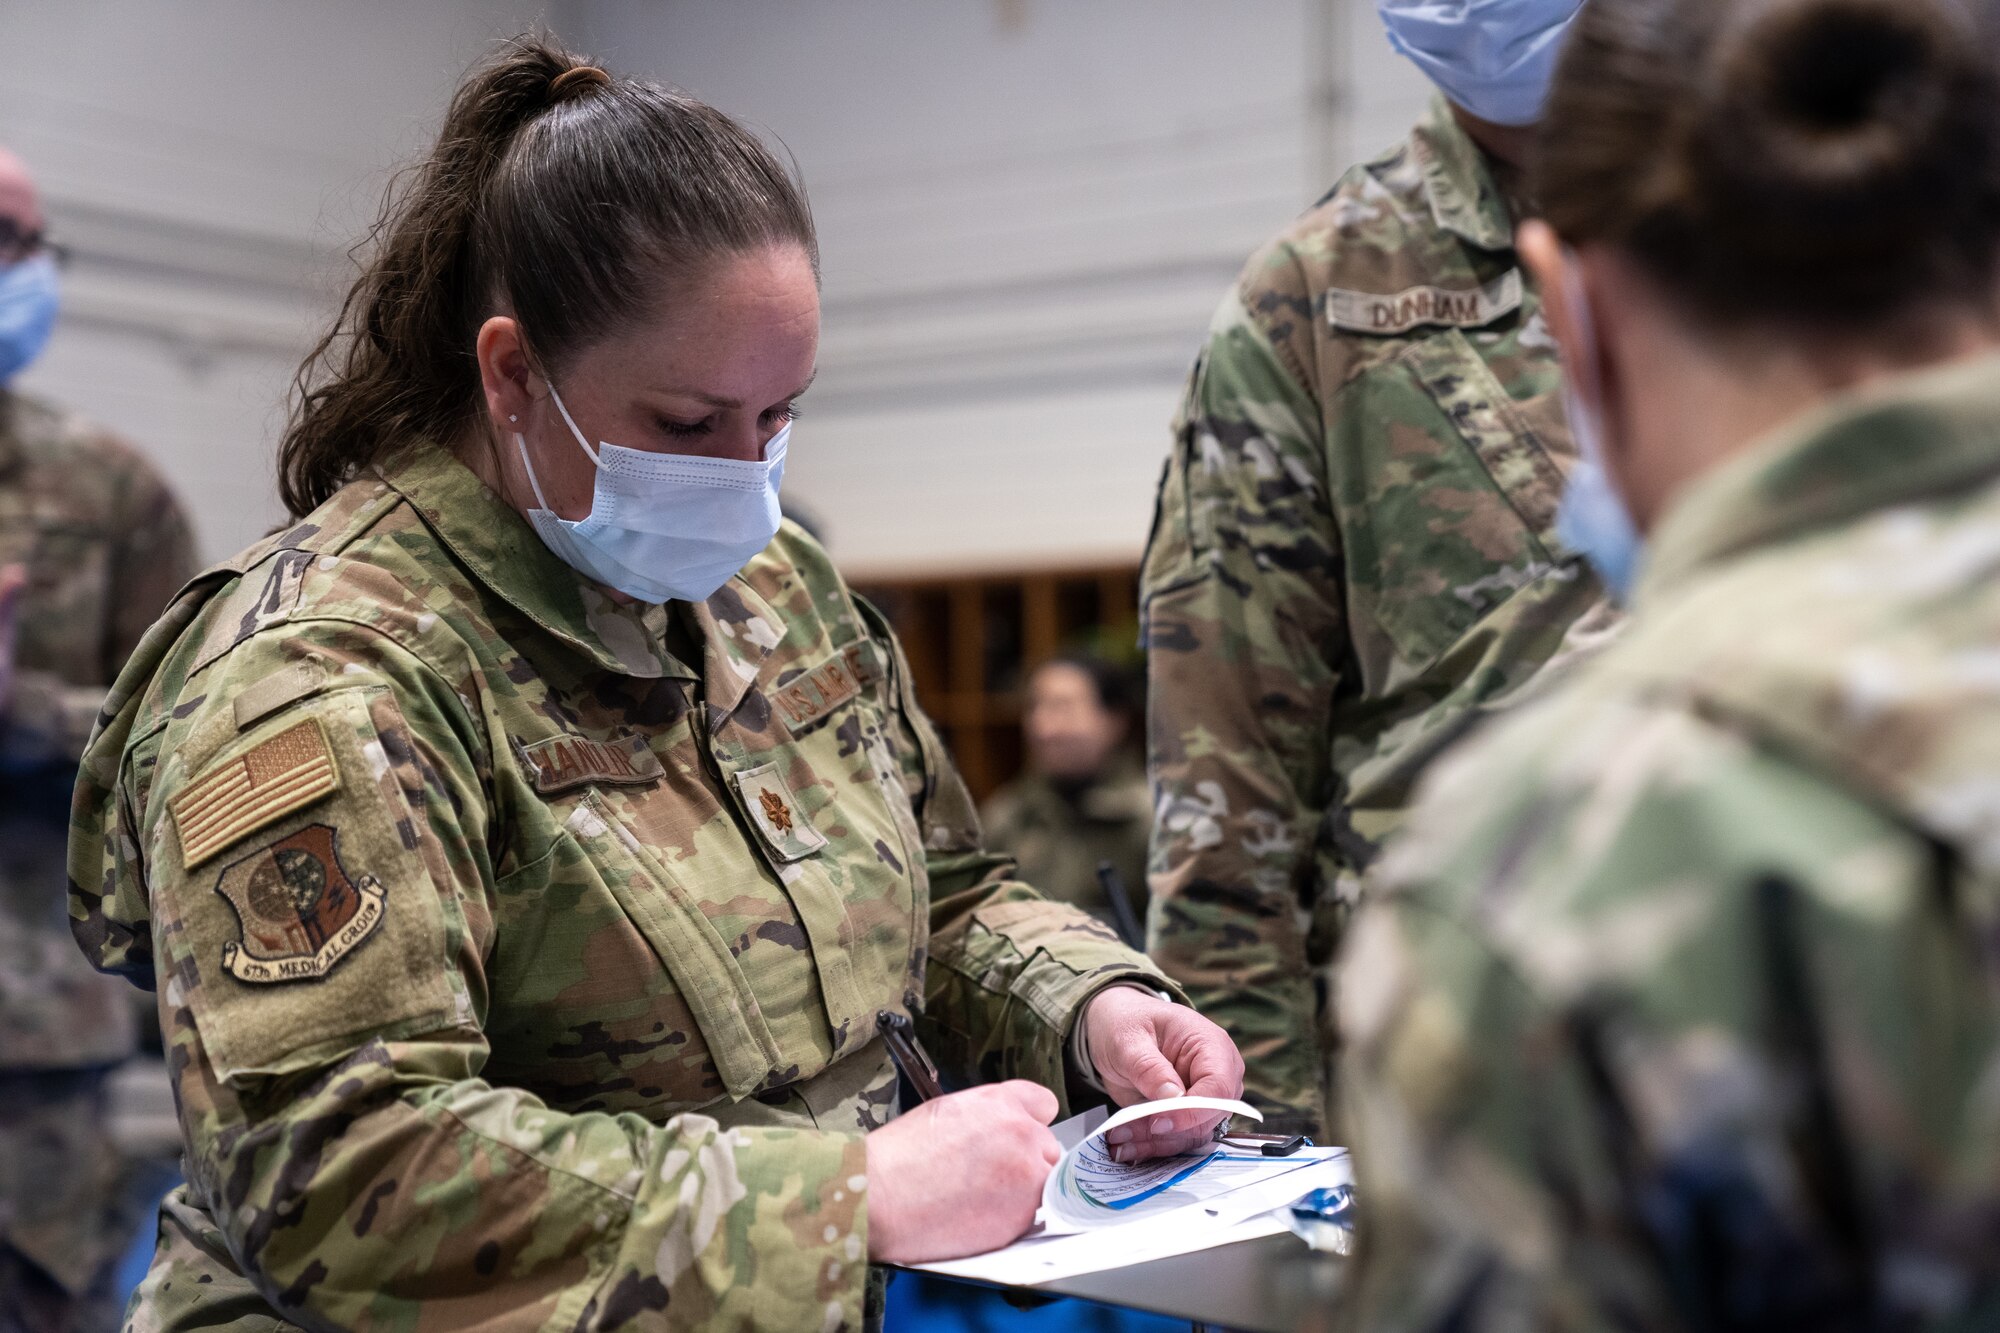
{"points": [[576, 81], [1831, 130]]}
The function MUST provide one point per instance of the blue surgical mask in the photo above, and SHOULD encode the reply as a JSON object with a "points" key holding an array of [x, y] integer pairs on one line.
{"points": [[29, 299], [1495, 58], [1593, 517], [664, 527]]}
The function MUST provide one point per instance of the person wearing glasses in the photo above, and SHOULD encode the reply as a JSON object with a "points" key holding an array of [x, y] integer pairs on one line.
{"points": [[1675, 1008], [92, 547]]}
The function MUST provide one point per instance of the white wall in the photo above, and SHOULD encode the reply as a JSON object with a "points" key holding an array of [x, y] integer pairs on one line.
{"points": [[209, 162], [1028, 207], [1028, 211]]}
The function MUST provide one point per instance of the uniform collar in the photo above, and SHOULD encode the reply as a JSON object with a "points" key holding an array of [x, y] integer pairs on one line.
{"points": [[496, 544], [1465, 194], [1919, 436], [738, 631]]}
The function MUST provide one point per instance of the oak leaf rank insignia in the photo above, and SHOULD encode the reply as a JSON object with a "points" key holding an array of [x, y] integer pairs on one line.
{"points": [[300, 910], [775, 814], [775, 810]]}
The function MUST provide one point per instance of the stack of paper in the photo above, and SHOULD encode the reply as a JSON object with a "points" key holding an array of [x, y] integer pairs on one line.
{"points": [[1098, 1213]]}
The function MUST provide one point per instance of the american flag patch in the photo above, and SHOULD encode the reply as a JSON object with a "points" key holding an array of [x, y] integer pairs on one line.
{"points": [[284, 774]]}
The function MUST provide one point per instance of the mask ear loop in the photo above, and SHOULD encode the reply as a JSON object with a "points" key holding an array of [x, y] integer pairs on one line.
{"points": [[571, 423], [521, 444], [541, 500]]}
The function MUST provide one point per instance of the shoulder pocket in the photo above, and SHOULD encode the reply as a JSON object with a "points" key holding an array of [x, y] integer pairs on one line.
{"points": [[291, 886]]}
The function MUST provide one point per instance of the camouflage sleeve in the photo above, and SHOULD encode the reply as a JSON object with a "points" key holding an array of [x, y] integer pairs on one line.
{"points": [[152, 557], [151, 546], [1618, 1022], [338, 1127], [1008, 971], [1245, 635]]}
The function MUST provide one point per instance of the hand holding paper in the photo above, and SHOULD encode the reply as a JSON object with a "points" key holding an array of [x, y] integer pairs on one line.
{"points": [[1091, 1186], [1098, 1214], [1148, 1049]]}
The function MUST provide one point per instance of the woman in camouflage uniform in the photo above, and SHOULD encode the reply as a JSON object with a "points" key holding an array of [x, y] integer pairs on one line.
{"points": [[522, 891], [1676, 1007]]}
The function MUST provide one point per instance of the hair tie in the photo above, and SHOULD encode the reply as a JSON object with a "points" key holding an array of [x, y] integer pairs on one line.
{"points": [[576, 79]]}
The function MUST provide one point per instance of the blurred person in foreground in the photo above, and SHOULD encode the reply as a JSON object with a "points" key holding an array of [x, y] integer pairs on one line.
{"points": [[527, 842], [1676, 1006], [1083, 801], [92, 547], [1356, 550]]}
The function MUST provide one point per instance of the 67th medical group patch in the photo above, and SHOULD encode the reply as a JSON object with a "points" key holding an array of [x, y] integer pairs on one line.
{"points": [[300, 910]]}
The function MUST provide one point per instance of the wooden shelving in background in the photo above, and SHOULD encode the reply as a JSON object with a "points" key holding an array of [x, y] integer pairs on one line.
{"points": [[971, 641]]}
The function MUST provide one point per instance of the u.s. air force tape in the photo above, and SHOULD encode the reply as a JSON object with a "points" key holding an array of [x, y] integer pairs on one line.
{"points": [[1363, 312]]}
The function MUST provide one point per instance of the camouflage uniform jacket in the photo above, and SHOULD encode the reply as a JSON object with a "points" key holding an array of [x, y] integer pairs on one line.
{"points": [[106, 547], [1059, 840], [1355, 549], [1674, 1008], [511, 967]]}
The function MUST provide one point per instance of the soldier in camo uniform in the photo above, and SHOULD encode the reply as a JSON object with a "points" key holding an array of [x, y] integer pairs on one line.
{"points": [[1675, 1007], [92, 548], [1356, 544], [526, 842]]}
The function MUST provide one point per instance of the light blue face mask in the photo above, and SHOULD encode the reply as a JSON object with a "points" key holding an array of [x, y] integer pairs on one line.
{"points": [[1593, 517], [664, 527], [29, 299], [1495, 58], [1594, 520]]}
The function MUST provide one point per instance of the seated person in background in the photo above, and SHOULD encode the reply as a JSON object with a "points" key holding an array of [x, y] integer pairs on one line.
{"points": [[92, 547], [1676, 1007], [1082, 802], [520, 956]]}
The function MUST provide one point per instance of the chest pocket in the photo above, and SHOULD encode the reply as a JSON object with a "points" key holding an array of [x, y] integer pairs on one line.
{"points": [[824, 801], [1456, 508], [725, 925], [719, 999]]}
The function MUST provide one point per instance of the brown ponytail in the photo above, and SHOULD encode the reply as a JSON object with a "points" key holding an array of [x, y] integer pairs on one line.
{"points": [[556, 193], [1820, 164]]}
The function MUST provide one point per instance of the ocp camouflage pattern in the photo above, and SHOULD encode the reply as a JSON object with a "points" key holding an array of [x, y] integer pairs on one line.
{"points": [[1673, 1008], [106, 547], [1355, 551], [605, 1056]]}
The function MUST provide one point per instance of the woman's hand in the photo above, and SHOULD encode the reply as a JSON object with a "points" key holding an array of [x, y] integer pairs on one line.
{"points": [[960, 1175], [1146, 1049]]}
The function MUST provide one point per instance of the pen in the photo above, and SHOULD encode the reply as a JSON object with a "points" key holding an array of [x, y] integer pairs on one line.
{"points": [[1113, 885], [900, 1035]]}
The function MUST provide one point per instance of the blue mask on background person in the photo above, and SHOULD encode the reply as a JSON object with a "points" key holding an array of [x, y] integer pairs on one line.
{"points": [[664, 527], [1593, 517], [29, 299], [1495, 58]]}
